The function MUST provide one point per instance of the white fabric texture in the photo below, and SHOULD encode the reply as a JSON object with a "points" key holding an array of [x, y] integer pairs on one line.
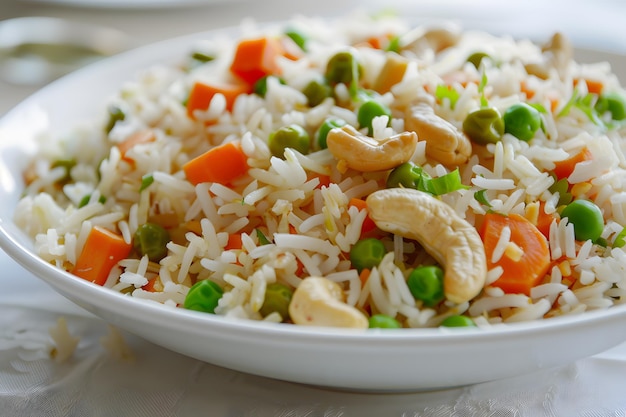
{"points": [[151, 381]]}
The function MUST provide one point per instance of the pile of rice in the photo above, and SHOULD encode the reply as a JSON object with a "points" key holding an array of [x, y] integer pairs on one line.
{"points": [[311, 226]]}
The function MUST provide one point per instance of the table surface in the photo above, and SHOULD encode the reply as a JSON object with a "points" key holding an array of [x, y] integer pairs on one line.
{"points": [[96, 383]]}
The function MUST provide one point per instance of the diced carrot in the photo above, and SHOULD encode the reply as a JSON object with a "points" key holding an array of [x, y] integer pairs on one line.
{"points": [[234, 242], [137, 138], [567, 277], [524, 88], [256, 58], [364, 275], [593, 86], [536, 214], [544, 220], [530, 93], [221, 164], [201, 95], [381, 41], [368, 223], [300, 269], [564, 168], [375, 42], [358, 203], [554, 103], [153, 285], [102, 251], [324, 179], [520, 273]]}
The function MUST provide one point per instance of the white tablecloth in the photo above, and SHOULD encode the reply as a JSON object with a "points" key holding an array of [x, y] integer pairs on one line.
{"points": [[151, 381]]}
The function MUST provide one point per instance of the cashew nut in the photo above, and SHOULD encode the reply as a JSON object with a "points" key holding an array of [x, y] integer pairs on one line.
{"points": [[444, 142], [557, 54], [363, 153], [391, 73], [448, 238], [436, 38], [319, 302]]}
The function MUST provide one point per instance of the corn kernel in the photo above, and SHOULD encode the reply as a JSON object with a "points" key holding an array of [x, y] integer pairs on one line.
{"points": [[532, 212], [580, 189], [565, 268], [513, 252]]}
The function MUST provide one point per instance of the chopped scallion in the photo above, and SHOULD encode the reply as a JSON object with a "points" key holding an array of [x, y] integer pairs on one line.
{"points": [[443, 92], [263, 240], [146, 181]]}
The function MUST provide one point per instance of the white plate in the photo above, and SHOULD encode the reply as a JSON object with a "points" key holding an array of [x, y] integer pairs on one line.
{"points": [[380, 360]]}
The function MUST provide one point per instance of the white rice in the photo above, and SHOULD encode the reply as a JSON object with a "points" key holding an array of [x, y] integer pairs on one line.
{"points": [[503, 241], [294, 213]]}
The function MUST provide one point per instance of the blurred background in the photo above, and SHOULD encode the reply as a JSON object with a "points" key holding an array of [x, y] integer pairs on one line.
{"points": [[91, 29]]}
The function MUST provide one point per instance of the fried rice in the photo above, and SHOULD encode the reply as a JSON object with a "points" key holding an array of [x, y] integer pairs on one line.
{"points": [[298, 213]]}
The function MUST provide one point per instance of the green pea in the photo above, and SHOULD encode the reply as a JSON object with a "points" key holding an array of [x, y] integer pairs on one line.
{"points": [[203, 296], [297, 37], [368, 111], [292, 136], [562, 187], [407, 175], [151, 239], [458, 321], [601, 242], [426, 284], [277, 299], [367, 253], [382, 321], [115, 115], [522, 121], [328, 125], [260, 87], [343, 68], [484, 126], [476, 58], [613, 103], [316, 91], [586, 217]]}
